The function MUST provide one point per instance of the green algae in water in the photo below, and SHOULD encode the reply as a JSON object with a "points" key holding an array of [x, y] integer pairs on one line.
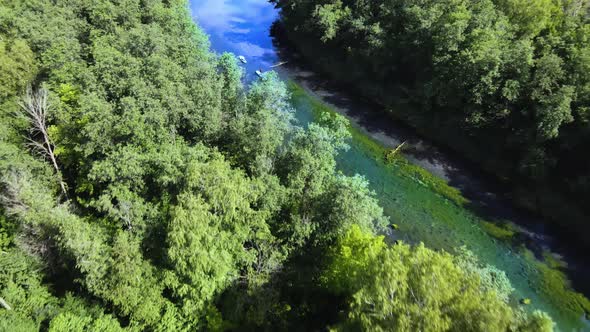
{"points": [[375, 149], [555, 284], [501, 232], [428, 210]]}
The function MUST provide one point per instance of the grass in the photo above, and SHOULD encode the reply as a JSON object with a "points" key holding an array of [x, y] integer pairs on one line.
{"points": [[503, 232]]}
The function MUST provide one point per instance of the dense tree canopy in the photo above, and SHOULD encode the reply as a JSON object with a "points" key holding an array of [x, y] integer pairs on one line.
{"points": [[143, 186], [417, 289], [511, 75]]}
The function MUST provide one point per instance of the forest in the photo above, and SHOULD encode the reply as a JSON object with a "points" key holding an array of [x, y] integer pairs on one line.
{"points": [[512, 76], [145, 187]]}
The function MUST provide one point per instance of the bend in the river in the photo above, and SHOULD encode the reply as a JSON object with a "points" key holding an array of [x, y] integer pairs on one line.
{"points": [[448, 206]]}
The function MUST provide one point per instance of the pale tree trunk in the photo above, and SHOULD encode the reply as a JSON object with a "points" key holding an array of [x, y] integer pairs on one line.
{"points": [[4, 304], [575, 7], [36, 106]]}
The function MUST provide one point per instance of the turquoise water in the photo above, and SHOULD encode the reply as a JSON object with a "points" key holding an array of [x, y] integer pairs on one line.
{"points": [[412, 199]]}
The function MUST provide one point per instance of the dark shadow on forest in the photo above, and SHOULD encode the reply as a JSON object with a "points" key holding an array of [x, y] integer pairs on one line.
{"points": [[291, 300]]}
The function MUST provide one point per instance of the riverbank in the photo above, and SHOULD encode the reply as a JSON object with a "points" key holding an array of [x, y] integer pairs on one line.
{"points": [[524, 255], [547, 264], [430, 196], [566, 220]]}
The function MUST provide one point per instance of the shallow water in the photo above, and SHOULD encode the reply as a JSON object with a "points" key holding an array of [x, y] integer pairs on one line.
{"points": [[410, 198]]}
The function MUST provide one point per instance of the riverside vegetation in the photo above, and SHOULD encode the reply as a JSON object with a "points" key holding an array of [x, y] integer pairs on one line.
{"points": [[144, 187], [510, 75]]}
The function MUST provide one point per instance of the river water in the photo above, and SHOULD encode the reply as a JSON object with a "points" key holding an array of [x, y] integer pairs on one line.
{"points": [[436, 198]]}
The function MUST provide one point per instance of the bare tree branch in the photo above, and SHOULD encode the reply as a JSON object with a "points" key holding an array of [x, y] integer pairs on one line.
{"points": [[36, 106], [4, 304]]}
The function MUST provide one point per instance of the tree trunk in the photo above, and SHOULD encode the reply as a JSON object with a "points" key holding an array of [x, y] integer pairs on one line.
{"points": [[4, 304], [36, 106]]}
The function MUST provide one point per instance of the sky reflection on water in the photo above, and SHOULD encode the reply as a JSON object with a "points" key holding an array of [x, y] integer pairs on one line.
{"points": [[239, 26]]}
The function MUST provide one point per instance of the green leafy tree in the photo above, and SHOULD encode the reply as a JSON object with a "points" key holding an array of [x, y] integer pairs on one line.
{"points": [[71, 323], [352, 257], [215, 238], [231, 74], [329, 17], [529, 17], [26, 302], [408, 288], [259, 129], [17, 66], [350, 202], [307, 169]]}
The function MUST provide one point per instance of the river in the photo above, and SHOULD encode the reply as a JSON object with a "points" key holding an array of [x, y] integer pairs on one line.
{"points": [[434, 197]]}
